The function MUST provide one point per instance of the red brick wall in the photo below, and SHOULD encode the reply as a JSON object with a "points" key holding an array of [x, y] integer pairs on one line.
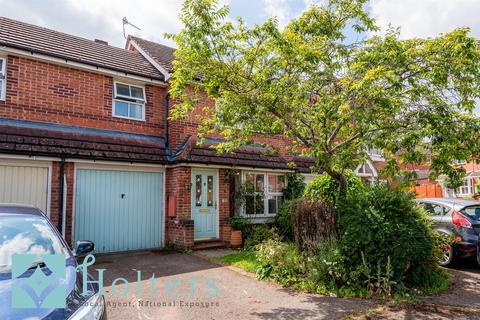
{"points": [[224, 204], [40, 91], [54, 200], [178, 130], [176, 181]]}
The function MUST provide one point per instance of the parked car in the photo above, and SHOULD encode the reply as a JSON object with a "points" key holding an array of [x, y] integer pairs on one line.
{"points": [[459, 219], [26, 230]]}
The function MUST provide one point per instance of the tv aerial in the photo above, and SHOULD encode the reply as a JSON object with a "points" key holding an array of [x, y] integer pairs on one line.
{"points": [[126, 22]]}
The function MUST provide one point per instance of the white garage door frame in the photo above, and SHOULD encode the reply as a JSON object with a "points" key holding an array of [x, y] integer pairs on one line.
{"points": [[115, 166], [6, 160]]}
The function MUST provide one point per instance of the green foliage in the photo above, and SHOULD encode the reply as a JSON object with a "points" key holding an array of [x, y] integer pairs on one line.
{"points": [[383, 226], [240, 223], [258, 234], [284, 221], [334, 98], [295, 186], [246, 260], [280, 261], [326, 189]]}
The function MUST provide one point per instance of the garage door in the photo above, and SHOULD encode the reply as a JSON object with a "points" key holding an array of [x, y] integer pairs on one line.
{"points": [[119, 210], [24, 185]]}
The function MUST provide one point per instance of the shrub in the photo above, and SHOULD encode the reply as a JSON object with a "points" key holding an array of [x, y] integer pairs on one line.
{"points": [[240, 223], [284, 221], [280, 261], [314, 221], [295, 186], [383, 228], [258, 234], [324, 188]]}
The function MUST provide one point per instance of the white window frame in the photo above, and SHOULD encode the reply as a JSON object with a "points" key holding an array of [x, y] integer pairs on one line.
{"points": [[266, 193], [466, 186], [128, 99], [3, 79]]}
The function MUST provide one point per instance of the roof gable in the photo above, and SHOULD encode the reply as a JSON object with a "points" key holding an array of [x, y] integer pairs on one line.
{"points": [[162, 54]]}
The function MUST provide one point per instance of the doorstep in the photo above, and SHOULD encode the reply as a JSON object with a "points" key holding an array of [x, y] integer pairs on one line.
{"points": [[209, 244]]}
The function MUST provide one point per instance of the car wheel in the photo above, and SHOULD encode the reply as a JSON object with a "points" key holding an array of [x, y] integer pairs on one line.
{"points": [[447, 258], [478, 255]]}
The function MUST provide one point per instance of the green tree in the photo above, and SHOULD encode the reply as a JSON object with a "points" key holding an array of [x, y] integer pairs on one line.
{"points": [[335, 99]]}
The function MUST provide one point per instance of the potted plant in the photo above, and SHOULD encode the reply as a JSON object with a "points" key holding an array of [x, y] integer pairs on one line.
{"points": [[238, 225]]}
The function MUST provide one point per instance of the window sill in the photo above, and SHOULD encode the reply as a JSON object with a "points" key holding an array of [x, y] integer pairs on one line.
{"points": [[128, 118]]}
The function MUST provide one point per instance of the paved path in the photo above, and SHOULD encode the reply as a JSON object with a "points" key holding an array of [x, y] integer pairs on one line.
{"points": [[203, 290], [465, 289]]}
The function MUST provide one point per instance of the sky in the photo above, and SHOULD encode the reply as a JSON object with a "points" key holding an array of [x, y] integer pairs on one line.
{"points": [[102, 19]]}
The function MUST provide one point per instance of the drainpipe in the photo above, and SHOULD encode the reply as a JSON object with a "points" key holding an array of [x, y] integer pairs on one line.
{"points": [[166, 107], [61, 196]]}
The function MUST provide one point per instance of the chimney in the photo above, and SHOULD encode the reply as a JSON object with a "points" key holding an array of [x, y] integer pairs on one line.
{"points": [[101, 41]]}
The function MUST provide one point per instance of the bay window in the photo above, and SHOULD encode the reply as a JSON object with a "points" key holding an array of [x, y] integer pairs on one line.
{"points": [[466, 188], [263, 193]]}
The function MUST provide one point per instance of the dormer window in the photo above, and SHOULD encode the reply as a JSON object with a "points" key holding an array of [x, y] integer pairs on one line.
{"points": [[3, 76], [129, 101]]}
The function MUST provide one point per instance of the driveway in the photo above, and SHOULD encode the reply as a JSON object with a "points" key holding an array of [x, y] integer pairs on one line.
{"points": [[190, 287], [465, 288]]}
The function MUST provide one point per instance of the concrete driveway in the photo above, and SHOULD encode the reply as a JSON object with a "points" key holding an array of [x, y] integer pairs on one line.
{"points": [[189, 287]]}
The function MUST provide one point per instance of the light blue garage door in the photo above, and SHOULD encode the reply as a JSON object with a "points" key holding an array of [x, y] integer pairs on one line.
{"points": [[119, 210]]}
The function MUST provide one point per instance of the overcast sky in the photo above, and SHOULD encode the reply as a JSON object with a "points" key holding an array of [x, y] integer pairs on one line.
{"points": [[102, 19]]}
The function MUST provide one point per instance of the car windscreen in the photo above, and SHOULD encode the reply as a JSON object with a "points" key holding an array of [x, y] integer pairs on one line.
{"points": [[20, 234], [473, 212]]}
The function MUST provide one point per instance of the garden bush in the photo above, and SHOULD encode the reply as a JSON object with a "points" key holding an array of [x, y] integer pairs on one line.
{"points": [[280, 261], [382, 232], [240, 223], [325, 189], [258, 234], [284, 221]]}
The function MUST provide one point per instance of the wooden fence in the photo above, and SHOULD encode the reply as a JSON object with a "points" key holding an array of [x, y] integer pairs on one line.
{"points": [[428, 191]]}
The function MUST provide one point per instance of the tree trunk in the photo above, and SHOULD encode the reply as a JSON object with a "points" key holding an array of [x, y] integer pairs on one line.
{"points": [[342, 182]]}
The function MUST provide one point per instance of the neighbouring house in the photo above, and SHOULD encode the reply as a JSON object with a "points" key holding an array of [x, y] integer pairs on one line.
{"points": [[85, 136]]}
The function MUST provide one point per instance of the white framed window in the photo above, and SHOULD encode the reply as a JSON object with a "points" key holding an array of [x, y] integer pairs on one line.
{"points": [[3, 78], [466, 188], [128, 101], [263, 193]]}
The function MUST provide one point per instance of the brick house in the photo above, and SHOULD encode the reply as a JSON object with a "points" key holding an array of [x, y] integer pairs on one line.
{"points": [[85, 136]]}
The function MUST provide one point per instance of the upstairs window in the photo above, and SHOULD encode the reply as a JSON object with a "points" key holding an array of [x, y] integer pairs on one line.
{"points": [[129, 101], [3, 76], [466, 188]]}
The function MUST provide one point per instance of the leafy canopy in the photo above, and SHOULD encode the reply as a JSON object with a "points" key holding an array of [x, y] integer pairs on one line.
{"points": [[334, 99]]}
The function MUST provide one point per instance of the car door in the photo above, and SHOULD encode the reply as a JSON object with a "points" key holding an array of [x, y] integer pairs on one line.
{"points": [[436, 213]]}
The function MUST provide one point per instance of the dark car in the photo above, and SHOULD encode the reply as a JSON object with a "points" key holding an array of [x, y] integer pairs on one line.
{"points": [[459, 219], [26, 230]]}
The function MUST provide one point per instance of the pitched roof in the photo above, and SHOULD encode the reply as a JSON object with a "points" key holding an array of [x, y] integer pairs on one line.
{"points": [[304, 164], [249, 156], [24, 36], [45, 139], [162, 54]]}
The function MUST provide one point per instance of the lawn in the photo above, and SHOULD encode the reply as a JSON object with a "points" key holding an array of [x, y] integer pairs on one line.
{"points": [[245, 260]]}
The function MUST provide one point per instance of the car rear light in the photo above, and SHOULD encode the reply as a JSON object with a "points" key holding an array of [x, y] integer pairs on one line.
{"points": [[459, 220]]}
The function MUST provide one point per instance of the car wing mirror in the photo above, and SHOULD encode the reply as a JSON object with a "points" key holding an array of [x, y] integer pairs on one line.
{"points": [[82, 247]]}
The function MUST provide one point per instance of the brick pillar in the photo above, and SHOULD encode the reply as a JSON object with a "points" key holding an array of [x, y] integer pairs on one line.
{"points": [[179, 229], [224, 212]]}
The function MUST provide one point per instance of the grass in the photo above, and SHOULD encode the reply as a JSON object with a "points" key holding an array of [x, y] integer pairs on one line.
{"points": [[245, 260], [434, 282]]}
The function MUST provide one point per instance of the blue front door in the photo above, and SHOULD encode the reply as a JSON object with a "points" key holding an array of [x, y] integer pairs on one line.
{"points": [[204, 204]]}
